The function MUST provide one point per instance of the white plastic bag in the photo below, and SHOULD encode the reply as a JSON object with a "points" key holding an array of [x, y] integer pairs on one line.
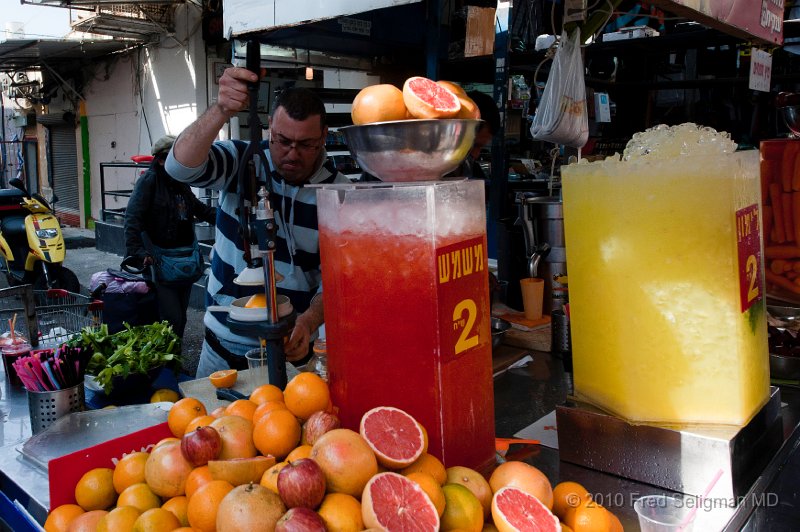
{"points": [[561, 116]]}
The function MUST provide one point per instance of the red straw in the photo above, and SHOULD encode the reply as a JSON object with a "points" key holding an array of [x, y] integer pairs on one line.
{"points": [[693, 511]]}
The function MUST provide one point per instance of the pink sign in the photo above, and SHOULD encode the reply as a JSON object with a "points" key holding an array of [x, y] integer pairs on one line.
{"points": [[761, 19], [748, 240]]}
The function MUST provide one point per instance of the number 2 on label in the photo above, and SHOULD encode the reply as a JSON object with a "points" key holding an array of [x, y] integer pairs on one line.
{"points": [[752, 271], [465, 341]]}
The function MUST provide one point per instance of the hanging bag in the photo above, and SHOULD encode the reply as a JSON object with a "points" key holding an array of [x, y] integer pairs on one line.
{"points": [[177, 266], [562, 117]]}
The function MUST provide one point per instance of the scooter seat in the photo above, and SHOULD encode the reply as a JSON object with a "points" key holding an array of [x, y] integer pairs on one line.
{"points": [[13, 226], [9, 192]]}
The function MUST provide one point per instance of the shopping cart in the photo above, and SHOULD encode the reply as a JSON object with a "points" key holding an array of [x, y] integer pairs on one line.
{"points": [[47, 318]]}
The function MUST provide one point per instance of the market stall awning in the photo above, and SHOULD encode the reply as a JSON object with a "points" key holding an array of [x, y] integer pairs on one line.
{"points": [[30, 54], [759, 21]]}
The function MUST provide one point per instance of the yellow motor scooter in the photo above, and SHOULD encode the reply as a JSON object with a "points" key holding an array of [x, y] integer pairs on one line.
{"points": [[32, 248]]}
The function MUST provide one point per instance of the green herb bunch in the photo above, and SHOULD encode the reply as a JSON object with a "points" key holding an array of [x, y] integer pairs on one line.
{"points": [[138, 349]]}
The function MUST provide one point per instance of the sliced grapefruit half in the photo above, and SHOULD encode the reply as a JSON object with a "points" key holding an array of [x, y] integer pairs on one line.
{"points": [[393, 435], [514, 510], [424, 98], [393, 502]]}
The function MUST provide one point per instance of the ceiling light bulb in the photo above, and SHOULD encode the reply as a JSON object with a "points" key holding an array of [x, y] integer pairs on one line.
{"points": [[309, 73]]}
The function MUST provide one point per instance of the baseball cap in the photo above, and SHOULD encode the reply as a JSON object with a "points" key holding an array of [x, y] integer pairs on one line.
{"points": [[163, 145]]}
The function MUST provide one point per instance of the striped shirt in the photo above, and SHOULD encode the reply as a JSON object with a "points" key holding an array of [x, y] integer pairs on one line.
{"points": [[297, 242]]}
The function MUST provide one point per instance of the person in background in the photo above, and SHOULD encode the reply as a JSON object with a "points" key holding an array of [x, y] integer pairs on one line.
{"points": [[162, 211], [491, 125], [296, 157]]}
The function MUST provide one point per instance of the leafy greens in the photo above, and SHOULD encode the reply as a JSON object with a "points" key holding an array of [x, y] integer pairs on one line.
{"points": [[138, 349]]}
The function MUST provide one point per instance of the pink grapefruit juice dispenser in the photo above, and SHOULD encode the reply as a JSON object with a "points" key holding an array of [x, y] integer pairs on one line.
{"points": [[404, 272]]}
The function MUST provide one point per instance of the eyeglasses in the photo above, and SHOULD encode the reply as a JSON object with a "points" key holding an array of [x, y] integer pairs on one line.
{"points": [[306, 145]]}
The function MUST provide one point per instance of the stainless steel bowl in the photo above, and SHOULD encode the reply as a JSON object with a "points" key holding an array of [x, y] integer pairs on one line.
{"points": [[499, 328], [411, 150]]}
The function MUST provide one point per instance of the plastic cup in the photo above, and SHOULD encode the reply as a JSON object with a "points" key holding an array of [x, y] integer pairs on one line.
{"points": [[532, 293], [257, 364], [660, 513], [10, 354]]}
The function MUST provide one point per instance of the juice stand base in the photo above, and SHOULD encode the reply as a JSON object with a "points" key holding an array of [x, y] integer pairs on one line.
{"points": [[685, 460]]}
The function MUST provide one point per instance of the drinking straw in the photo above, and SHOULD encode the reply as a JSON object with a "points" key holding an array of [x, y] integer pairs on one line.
{"points": [[693, 511]]}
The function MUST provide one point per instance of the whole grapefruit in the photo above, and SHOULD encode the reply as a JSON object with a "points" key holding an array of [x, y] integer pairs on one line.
{"points": [[378, 103], [346, 459]]}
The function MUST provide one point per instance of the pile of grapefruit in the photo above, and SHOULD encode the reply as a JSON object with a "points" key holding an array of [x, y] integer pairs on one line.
{"points": [[420, 98], [280, 461]]}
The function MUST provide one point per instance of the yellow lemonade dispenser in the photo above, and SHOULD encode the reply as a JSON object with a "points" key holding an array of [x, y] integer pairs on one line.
{"points": [[667, 305]]}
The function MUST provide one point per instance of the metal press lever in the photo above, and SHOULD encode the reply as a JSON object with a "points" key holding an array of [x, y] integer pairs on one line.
{"points": [[259, 232], [534, 253]]}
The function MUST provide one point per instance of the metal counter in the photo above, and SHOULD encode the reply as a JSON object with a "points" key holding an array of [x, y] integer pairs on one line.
{"points": [[522, 396]]}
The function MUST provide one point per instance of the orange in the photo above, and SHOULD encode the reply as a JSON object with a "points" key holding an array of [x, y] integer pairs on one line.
{"points": [[59, 519], [140, 496], [198, 477], [431, 488], [88, 521], [301, 451], [242, 408], [256, 301], [270, 477], [277, 433], [199, 421], [164, 394], [305, 394], [589, 516], [120, 518], [568, 495], [427, 463], [218, 412], [266, 392], [341, 512], [474, 482], [268, 406], [202, 509], [378, 103], [178, 506], [156, 520], [182, 413], [95, 489], [424, 98], [616, 524], [525, 477], [129, 470], [462, 510], [224, 378]]}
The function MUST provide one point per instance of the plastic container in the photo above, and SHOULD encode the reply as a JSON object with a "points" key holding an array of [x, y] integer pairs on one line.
{"points": [[11, 353], [405, 270], [667, 307], [46, 407], [318, 363]]}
